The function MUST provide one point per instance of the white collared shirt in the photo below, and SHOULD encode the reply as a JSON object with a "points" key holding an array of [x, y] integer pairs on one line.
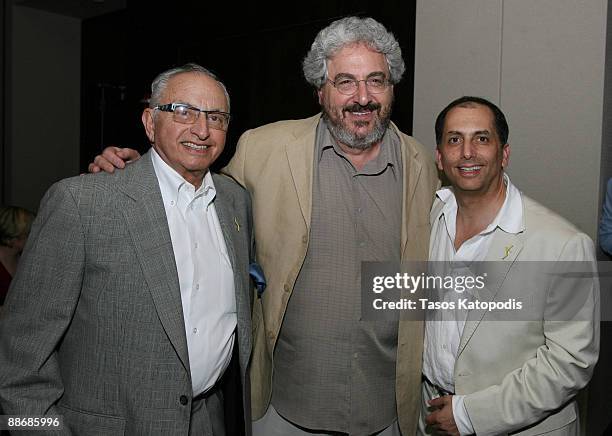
{"points": [[205, 273], [442, 337]]}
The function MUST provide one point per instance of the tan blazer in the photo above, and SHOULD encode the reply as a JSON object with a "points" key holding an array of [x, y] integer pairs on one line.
{"points": [[275, 164], [521, 376]]}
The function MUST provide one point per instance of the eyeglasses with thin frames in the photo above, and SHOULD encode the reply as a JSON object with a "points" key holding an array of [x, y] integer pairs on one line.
{"points": [[349, 86], [186, 114]]}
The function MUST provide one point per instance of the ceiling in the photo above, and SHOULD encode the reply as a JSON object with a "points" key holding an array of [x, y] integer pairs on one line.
{"points": [[75, 8]]}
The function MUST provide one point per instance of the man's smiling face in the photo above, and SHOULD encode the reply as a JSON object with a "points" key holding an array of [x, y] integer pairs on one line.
{"points": [[189, 149], [470, 152], [361, 119]]}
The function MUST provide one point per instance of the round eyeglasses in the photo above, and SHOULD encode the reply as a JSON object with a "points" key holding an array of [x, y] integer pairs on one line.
{"points": [[348, 86], [185, 114]]}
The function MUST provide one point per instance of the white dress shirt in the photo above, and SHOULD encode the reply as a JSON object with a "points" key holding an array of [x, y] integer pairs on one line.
{"points": [[443, 335], [204, 271]]}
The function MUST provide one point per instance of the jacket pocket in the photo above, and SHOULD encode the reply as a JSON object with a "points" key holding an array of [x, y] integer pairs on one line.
{"points": [[81, 422], [562, 422]]}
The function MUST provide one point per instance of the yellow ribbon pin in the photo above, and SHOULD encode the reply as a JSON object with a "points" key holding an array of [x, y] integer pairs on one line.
{"points": [[507, 251], [237, 224]]}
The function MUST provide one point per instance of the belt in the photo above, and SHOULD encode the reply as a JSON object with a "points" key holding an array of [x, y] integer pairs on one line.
{"points": [[439, 389]]}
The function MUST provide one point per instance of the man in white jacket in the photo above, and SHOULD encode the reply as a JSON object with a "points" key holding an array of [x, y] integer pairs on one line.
{"points": [[482, 375]]}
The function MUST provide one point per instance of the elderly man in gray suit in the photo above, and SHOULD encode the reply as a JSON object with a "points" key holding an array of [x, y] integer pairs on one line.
{"points": [[133, 291]]}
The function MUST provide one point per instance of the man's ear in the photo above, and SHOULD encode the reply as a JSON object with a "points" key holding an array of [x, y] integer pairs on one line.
{"points": [[439, 160], [505, 155], [149, 124]]}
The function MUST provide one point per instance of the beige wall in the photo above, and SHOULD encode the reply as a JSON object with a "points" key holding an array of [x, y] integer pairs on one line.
{"points": [[45, 103], [543, 62]]}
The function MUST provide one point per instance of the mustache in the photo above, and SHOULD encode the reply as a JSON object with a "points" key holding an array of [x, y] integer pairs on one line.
{"points": [[371, 106]]}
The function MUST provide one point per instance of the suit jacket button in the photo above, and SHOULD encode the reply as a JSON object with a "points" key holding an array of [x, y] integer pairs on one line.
{"points": [[184, 400]]}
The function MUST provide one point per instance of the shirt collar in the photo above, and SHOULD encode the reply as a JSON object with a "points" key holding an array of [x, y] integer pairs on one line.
{"points": [[172, 183], [510, 217]]}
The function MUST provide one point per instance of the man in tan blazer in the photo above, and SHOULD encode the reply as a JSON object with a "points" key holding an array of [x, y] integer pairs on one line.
{"points": [[286, 167], [483, 373]]}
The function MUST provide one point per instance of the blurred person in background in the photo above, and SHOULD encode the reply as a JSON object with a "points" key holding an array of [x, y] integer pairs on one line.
{"points": [[15, 225], [605, 225]]}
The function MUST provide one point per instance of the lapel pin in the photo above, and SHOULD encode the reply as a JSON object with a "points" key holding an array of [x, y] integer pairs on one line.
{"points": [[237, 224], [507, 251]]}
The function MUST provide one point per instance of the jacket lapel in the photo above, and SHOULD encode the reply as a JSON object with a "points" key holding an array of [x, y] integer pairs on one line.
{"points": [[148, 226], [300, 153], [231, 228], [411, 172], [502, 253]]}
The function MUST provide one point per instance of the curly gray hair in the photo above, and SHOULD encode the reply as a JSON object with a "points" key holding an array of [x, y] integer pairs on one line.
{"points": [[348, 31], [161, 81]]}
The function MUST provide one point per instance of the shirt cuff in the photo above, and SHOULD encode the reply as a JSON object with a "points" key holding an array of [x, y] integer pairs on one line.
{"points": [[462, 419]]}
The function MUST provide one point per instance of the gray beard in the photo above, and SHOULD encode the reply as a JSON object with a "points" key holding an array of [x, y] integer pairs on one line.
{"points": [[350, 139]]}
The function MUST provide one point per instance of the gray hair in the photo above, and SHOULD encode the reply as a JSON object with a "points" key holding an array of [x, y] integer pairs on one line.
{"points": [[158, 86], [347, 31]]}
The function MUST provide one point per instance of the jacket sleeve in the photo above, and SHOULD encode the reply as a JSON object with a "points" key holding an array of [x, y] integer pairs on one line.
{"points": [[605, 226], [235, 168], [40, 305]]}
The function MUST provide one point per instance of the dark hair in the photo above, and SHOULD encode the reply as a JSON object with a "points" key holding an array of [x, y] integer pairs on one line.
{"points": [[501, 125]]}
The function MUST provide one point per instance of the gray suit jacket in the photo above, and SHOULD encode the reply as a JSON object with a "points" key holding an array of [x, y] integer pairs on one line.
{"points": [[93, 325]]}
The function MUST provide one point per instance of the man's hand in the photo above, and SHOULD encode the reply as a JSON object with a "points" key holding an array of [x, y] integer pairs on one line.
{"points": [[111, 158], [442, 419]]}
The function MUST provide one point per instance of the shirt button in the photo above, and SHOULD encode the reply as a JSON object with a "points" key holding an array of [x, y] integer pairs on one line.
{"points": [[358, 210], [195, 245], [172, 203], [286, 288], [270, 335], [195, 331], [197, 286], [184, 400], [304, 239], [362, 244], [355, 355]]}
